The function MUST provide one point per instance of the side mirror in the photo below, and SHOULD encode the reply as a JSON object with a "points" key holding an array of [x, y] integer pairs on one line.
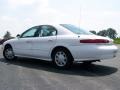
{"points": [[18, 36]]}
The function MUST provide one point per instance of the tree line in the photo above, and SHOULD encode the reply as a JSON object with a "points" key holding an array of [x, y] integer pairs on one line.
{"points": [[6, 37], [110, 32]]}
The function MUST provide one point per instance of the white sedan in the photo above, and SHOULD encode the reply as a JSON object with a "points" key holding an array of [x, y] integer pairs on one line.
{"points": [[62, 44]]}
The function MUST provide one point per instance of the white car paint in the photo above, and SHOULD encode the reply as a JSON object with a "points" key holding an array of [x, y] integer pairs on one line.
{"points": [[41, 47]]}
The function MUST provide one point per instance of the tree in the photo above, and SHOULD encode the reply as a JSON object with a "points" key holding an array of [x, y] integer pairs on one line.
{"points": [[111, 33], [7, 35], [102, 33], [94, 32]]}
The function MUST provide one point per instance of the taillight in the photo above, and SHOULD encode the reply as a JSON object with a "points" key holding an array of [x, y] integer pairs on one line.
{"points": [[94, 41]]}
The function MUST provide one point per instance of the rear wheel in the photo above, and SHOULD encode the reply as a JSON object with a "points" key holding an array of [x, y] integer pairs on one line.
{"points": [[8, 53], [62, 58]]}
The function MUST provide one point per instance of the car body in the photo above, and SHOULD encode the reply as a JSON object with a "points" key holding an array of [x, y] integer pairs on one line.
{"points": [[43, 42], [2, 41]]}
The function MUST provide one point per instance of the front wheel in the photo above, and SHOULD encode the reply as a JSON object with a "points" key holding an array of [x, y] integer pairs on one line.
{"points": [[8, 53], [62, 58]]}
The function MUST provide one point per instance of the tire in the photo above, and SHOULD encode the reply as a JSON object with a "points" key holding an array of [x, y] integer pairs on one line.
{"points": [[62, 58], [8, 53]]}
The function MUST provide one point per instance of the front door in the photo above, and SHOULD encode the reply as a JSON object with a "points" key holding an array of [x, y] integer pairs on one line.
{"points": [[24, 43]]}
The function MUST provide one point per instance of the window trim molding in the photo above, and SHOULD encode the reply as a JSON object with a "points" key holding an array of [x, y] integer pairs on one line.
{"points": [[21, 36]]}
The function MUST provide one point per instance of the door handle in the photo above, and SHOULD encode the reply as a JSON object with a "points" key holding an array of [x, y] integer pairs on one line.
{"points": [[50, 40], [28, 42]]}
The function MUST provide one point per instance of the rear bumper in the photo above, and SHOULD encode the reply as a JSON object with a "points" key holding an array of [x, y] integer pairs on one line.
{"points": [[93, 52]]}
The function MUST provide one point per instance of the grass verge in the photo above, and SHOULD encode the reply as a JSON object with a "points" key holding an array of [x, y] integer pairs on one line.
{"points": [[117, 41]]}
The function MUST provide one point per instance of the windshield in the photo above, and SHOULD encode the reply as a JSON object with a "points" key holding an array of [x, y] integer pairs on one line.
{"points": [[75, 29]]}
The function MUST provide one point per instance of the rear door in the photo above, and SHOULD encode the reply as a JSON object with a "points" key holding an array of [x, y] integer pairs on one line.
{"points": [[46, 40]]}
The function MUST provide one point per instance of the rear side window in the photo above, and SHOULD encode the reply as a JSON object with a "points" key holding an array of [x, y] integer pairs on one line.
{"points": [[47, 30], [75, 29]]}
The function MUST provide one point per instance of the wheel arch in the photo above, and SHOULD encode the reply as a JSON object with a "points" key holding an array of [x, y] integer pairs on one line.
{"points": [[60, 47], [7, 45]]}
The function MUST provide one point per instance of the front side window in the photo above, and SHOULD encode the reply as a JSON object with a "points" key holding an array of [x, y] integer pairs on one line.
{"points": [[48, 31], [29, 33], [75, 29]]}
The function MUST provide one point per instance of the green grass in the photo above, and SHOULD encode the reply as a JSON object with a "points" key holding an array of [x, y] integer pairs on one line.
{"points": [[117, 41]]}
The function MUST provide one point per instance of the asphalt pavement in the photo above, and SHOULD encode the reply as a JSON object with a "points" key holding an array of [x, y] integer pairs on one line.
{"points": [[30, 74]]}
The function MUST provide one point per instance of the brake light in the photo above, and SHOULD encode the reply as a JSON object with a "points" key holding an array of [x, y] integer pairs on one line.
{"points": [[94, 41]]}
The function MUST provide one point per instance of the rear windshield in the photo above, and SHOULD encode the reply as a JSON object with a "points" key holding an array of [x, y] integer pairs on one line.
{"points": [[75, 29]]}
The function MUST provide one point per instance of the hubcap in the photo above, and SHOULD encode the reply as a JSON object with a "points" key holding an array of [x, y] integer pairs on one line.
{"points": [[60, 58], [9, 53]]}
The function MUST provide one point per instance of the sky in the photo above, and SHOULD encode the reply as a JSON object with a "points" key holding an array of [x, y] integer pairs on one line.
{"points": [[17, 16]]}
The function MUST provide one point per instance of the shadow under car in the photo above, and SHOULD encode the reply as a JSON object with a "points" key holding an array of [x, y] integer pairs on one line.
{"points": [[92, 70]]}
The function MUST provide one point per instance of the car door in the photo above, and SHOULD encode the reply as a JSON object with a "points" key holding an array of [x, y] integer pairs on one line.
{"points": [[45, 42], [23, 44]]}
